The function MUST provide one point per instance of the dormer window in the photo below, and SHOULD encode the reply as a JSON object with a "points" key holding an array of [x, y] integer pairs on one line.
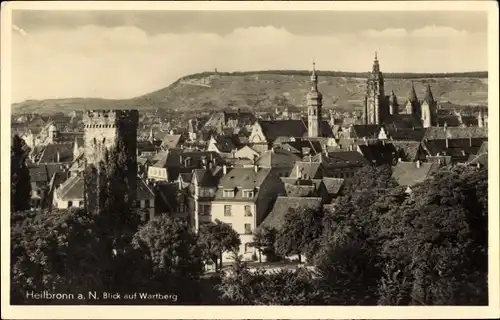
{"points": [[228, 193], [248, 193]]}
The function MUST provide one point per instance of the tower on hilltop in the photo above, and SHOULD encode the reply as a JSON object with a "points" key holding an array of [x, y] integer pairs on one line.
{"points": [[314, 106], [107, 132], [375, 104]]}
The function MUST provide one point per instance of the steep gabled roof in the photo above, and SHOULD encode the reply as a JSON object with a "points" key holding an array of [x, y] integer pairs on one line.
{"points": [[409, 173], [333, 185], [283, 128], [277, 216], [277, 158]]}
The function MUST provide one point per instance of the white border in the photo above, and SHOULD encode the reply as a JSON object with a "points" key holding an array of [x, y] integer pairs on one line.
{"points": [[253, 312]]}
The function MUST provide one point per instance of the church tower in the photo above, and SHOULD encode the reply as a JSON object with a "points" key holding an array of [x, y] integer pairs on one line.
{"points": [[375, 104], [314, 104], [412, 104], [393, 104], [429, 109]]}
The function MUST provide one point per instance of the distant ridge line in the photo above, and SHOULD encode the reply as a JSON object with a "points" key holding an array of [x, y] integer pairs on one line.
{"points": [[387, 75]]}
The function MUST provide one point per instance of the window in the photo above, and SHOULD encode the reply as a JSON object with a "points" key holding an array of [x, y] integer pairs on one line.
{"points": [[228, 193], [204, 209], [247, 193], [248, 247], [227, 210], [248, 211], [70, 204], [146, 203], [80, 204], [248, 228]]}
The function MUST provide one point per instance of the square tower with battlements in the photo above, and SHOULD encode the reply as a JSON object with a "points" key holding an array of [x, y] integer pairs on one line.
{"points": [[107, 131]]}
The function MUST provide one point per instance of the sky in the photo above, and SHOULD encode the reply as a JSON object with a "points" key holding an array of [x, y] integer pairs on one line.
{"points": [[123, 54]]}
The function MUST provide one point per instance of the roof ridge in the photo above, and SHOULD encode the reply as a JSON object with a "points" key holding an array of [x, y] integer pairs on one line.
{"points": [[70, 185]]}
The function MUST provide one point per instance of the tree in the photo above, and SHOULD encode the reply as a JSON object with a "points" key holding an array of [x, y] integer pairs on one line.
{"points": [[438, 238], [370, 177], [264, 240], [345, 266], [217, 238], [20, 183], [58, 252], [170, 245], [301, 232]]}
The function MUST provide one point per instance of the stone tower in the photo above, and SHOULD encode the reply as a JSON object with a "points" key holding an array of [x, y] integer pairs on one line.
{"points": [[393, 104], [314, 105], [375, 104], [103, 130], [429, 109], [412, 104], [480, 119]]}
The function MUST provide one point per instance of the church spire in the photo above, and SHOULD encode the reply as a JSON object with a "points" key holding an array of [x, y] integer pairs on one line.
{"points": [[376, 66], [428, 94], [412, 96], [314, 78]]}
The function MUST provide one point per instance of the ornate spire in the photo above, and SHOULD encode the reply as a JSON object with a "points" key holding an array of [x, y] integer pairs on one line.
{"points": [[412, 96], [376, 66], [428, 94], [314, 78]]}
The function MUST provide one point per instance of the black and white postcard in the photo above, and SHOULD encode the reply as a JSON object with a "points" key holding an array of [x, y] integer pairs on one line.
{"points": [[235, 160]]}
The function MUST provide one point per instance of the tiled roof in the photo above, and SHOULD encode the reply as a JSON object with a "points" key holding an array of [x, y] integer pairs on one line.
{"points": [[409, 174], [405, 134], [460, 148], [206, 177], [378, 153], [50, 152], [333, 185], [303, 145], [450, 120], [483, 148], [143, 191], [481, 159], [239, 179], [407, 150], [283, 205], [307, 170], [38, 174], [365, 131], [300, 190], [224, 144], [433, 133], [277, 158], [73, 188], [283, 128], [340, 159], [145, 146], [177, 158], [171, 141]]}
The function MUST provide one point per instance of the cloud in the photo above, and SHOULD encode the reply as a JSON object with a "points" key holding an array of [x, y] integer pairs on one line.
{"points": [[126, 61]]}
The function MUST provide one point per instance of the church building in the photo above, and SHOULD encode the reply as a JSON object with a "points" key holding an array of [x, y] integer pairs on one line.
{"points": [[379, 109]]}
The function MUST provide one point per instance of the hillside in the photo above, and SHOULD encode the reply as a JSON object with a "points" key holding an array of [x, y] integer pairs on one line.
{"points": [[269, 89]]}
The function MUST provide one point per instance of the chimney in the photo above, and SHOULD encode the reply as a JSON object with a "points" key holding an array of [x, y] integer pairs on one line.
{"points": [[470, 141], [399, 160], [446, 142], [224, 169], [255, 168], [58, 157], [439, 161], [418, 163]]}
